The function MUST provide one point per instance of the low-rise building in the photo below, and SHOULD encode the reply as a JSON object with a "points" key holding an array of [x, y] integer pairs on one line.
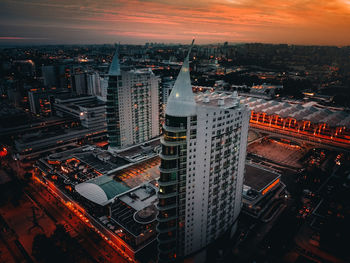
{"points": [[89, 110], [114, 195], [261, 191]]}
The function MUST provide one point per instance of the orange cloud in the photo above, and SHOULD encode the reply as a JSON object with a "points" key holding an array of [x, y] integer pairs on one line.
{"points": [[138, 21], [301, 22]]}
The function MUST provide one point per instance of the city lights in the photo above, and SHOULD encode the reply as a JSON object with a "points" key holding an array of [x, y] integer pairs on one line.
{"points": [[121, 140]]}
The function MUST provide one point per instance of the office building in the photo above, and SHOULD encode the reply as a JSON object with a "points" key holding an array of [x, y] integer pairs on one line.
{"points": [[79, 83], [49, 74], [25, 67], [39, 102], [263, 192], [132, 106], [93, 81], [89, 110], [167, 86], [202, 169], [57, 76], [103, 88]]}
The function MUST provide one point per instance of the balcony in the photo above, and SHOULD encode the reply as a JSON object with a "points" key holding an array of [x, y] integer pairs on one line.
{"points": [[174, 129], [161, 195], [172, 143], [167, 170], [166, 207], [166, 219], [168, 157], [166, 239], [167, 183], [167, 248], [165, 229]]}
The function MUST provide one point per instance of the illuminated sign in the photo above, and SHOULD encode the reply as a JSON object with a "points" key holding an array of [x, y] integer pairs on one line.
{"points": [[267, 189]]}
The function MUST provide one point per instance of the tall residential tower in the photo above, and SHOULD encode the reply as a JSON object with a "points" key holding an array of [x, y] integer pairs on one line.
{"points": [[132, 106], [202, 169]]}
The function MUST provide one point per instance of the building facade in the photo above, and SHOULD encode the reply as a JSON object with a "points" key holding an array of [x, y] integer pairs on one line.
{"points": [[301, 121], [201, 171], [93, 83], [90, 110], [79, 83], [39, 102], [132, 106]]}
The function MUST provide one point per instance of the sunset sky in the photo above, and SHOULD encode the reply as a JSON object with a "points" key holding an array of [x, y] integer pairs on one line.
{"points": [[320, 22]]}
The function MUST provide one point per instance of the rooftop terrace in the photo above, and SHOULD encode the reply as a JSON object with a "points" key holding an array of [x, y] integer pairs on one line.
{"points": [[259, 178]]}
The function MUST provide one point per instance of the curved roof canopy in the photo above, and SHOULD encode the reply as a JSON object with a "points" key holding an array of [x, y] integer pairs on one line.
{"points": [[333, 118], [101, 190], [92, 192]]}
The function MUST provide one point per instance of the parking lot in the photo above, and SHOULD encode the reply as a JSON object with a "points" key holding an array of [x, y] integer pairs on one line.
{"points": [[278, 152]]}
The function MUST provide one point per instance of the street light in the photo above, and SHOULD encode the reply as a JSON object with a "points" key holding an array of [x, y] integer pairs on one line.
{"points": [[3, 152]]}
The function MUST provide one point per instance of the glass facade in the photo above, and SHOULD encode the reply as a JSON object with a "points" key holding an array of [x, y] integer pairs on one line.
{"points": [[172, 190], [112, 112]]}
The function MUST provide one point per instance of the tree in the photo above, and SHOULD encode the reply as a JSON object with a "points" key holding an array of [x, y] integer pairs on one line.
{"points": [[43, 249], [59, 247]]}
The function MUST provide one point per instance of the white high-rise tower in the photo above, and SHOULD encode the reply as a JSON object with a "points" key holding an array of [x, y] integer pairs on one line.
{"points": [[132, 106], [202, 169]]}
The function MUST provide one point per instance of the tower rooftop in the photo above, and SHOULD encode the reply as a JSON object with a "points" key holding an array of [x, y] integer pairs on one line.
{"points": [[181, 101], [114, 69], [221, 99]]}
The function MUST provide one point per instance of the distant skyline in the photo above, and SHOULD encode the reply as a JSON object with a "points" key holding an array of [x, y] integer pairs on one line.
{"points": [[312, 22]]}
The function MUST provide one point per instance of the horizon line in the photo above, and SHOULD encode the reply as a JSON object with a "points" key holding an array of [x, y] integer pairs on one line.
{"points": [[4, 44]]}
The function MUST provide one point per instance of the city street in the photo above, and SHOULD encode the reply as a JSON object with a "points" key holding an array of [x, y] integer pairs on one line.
{"points": [[50, 212], [89, 240]]}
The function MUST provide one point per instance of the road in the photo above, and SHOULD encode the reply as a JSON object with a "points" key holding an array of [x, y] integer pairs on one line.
{"points": [[92, 244], [100, 250]]}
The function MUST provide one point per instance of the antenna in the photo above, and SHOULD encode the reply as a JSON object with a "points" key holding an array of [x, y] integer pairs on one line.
{"points": [[189, 51]]}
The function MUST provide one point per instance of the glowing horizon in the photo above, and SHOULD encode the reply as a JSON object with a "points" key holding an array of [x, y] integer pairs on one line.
{"points": [[313, 22]]}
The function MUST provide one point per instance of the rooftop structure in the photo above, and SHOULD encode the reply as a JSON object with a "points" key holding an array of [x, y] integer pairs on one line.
{"points": [[81, 164], [139, 173], [101, 190], [264, 90], [315, 123], [32, 145], [218, 99], [132, 218], [181, 101], [135, 211], [104, 189], [141, 152], [114, 69], [261, 190], [117, 196], [259, 179], [98, 175]]}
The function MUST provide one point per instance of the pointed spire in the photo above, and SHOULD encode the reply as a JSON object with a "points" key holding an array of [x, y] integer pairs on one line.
{"points": [[181, 101], [114, 69]]}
